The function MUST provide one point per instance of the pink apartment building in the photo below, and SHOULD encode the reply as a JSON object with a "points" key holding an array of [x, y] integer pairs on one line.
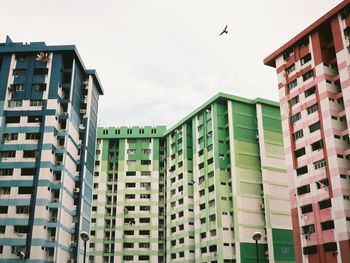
{"points": [[313, 71]]}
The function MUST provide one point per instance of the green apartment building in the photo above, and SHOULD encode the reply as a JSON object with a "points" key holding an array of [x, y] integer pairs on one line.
{"points": [[196, 192]]}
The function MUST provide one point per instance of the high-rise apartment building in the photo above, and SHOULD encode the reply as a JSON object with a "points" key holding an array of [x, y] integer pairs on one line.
{"points": [[314, 89], [204, 186], [128, 213], [48, 119]]}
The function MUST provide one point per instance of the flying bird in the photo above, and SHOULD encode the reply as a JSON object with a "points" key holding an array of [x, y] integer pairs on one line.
{"points": [[224, 31]]}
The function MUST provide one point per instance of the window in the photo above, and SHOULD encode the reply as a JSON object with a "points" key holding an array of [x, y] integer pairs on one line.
{"points": [[10, 136], [290, 69], [130, 185], [303, 189], [330, 246], [308, 75], [22, 209], [292, 84], [299, 152], [317, 145], [129, 173], [293, 100], [314, 127], [306, 209], [144, 232], [12, 119], [129, 196], [25, 190], [131, 151], [7, 154], [295, 117], [145, 220], [143, 257], [305, 59], [298, 134], [34, 119], [327, 225], [36, 103], [308, 229], [143, 245], [28, 171], [128, 245], [2, 230], [33, 136], [302, 170], [16, 87], [325, 204], [310, 91], [309, 250], [39, 87], [40, 71], [21, 229], [29, 154], [14, 103], [3, 209], [311, 109], [5, 190], [145, 173], [18, 72], [320, 164], [6, 172], [145, 162]]}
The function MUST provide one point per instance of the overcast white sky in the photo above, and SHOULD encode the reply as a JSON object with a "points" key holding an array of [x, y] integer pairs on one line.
{"points": [[158, 60]]}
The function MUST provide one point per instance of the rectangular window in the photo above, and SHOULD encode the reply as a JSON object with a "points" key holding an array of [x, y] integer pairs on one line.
{"points": [[29, 154], [7, 154], [310, 91], [33, 136], [320, 164], [23, 209], [10, 136], [19, 72], [14, 103], [21, 229], [290, 69], [327, 225], [40, 71], [317, 145], [4, 209], [6, 172], [34, 119], [5, 190], [314, 127], [303, 189], [306, 209], [28, 171], [293, 101], [295, 117], [145, 162], [293, 84], [302, 170], [299, 152], [298, 134], [309, 250], [308, 75], [17, 87], [330, 247], [25, 190], [13, 119], [305, 59], [36, 103], [325, 204], [39, 87], [312, 109]]}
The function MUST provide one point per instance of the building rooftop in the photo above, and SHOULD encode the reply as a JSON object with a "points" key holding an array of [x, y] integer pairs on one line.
{"points": [[24, 47], [270, 60]]}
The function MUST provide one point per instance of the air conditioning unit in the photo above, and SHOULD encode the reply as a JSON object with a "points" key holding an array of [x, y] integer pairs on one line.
{"points": [[76, 190]]}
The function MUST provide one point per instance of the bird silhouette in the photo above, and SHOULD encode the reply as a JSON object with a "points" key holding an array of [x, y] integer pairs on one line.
{"points": [[224, 31]]}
